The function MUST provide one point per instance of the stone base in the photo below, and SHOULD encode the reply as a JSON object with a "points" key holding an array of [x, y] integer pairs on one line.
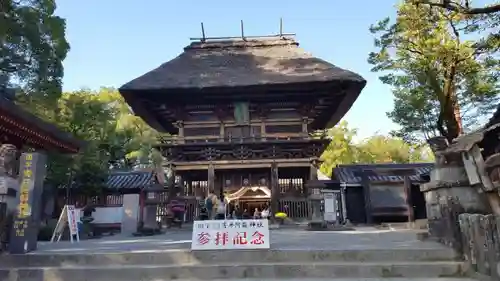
{"points": [[319, 225], [323, 226]]}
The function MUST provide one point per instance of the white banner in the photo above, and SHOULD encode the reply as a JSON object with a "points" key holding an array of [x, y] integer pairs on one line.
{"points": [[69, 217], [230, 234]]}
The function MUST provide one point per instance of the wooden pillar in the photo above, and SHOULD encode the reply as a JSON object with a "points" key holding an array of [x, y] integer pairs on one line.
{"points": [[313, 172], [305, 122], [313, 176], [211, 178], [170, 180], [189, 185], [275, 192], [409, 201], [180, 125], [222, 132], [365, 183], [263, 129], [182, 185]]}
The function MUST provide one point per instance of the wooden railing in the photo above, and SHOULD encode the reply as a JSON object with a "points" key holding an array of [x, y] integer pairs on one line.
{"points": [[215, 139], [475, 236]]}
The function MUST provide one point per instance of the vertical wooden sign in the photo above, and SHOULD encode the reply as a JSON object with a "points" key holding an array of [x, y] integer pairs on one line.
{"points": [[24, 234]]}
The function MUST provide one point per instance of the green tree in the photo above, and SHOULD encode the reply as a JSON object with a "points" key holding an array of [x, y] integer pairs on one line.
{"points": [[343, 149], [116, 139], [32, 48], [441, 78], [384, 149]]}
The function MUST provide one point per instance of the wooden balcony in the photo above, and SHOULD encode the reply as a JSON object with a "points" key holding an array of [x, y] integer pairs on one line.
{"points": [[173, 140]]}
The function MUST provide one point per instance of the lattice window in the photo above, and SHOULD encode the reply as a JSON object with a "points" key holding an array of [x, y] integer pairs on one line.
{"points": [[291, 185]]}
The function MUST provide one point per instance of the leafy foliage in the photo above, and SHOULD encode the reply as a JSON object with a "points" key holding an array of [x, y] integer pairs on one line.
{"points": [[32, 48], [376, 149], [442, 67], [116, 139]]}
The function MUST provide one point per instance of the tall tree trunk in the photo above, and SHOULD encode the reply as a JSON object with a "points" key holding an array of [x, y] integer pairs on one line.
{"points": [[450, 110]]}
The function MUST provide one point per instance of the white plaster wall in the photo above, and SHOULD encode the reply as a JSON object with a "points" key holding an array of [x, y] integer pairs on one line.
{"points": [[105, 215]]}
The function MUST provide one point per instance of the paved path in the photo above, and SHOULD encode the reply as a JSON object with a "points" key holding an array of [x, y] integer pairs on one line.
{"points": [[362, 238]]}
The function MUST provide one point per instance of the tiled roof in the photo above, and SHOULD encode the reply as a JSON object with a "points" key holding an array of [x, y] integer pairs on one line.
{"points": [[347, 173], [127, 180], [130, 180]]}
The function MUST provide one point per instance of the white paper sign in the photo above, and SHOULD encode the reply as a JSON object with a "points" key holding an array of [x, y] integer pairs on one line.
{"points": [[230, 234], [73, 226], [69, 217]]}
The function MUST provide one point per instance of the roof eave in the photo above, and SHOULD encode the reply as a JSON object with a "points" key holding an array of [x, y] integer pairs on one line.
{"points": [[14, 110], [350, 97]]}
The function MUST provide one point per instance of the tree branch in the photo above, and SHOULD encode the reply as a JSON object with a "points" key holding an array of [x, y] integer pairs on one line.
{"points": [[453, 6]]}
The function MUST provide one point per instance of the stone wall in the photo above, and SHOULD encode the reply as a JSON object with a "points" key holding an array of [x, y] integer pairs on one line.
{"points": [[475, 236]]}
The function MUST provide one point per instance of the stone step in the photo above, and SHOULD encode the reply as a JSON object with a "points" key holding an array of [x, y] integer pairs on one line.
{"points": [[187, 257], [336, 279], [237, 271]]}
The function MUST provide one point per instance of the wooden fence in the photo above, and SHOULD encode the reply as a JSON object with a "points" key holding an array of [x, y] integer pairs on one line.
{"points": [[475, 236]]}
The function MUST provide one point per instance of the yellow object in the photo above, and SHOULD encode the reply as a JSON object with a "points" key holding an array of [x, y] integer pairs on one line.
{"points": [[281, 215]]}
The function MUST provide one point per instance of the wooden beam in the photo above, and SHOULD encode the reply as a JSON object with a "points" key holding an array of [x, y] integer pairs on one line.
{"points": [[211, 178], [282, 162], [409, 201]]}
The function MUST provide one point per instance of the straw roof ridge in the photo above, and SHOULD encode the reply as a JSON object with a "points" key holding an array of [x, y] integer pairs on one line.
{"points": [[242, 43]]}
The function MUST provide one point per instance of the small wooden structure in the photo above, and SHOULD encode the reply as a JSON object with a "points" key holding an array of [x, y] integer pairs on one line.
{"points": [[385, 192], [241, 112]]}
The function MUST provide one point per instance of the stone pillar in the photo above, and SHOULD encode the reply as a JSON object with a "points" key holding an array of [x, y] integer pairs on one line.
{"points": [[9, 190], [26, 223], [275, 191], [451, 181]]}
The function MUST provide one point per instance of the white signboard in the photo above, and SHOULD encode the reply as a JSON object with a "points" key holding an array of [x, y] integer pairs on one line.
{"points": [[230, 234], [68, 217], [330, 207], [73, 226]]}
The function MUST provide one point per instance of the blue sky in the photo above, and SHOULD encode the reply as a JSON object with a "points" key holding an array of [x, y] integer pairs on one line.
{"points": [[113, 42]]}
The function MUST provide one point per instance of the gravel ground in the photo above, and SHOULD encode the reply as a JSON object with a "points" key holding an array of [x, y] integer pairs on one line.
{"points": [[361, 238]]}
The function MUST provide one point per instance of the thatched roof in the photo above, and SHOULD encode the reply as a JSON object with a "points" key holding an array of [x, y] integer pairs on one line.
{"points": [[240, 63]]}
